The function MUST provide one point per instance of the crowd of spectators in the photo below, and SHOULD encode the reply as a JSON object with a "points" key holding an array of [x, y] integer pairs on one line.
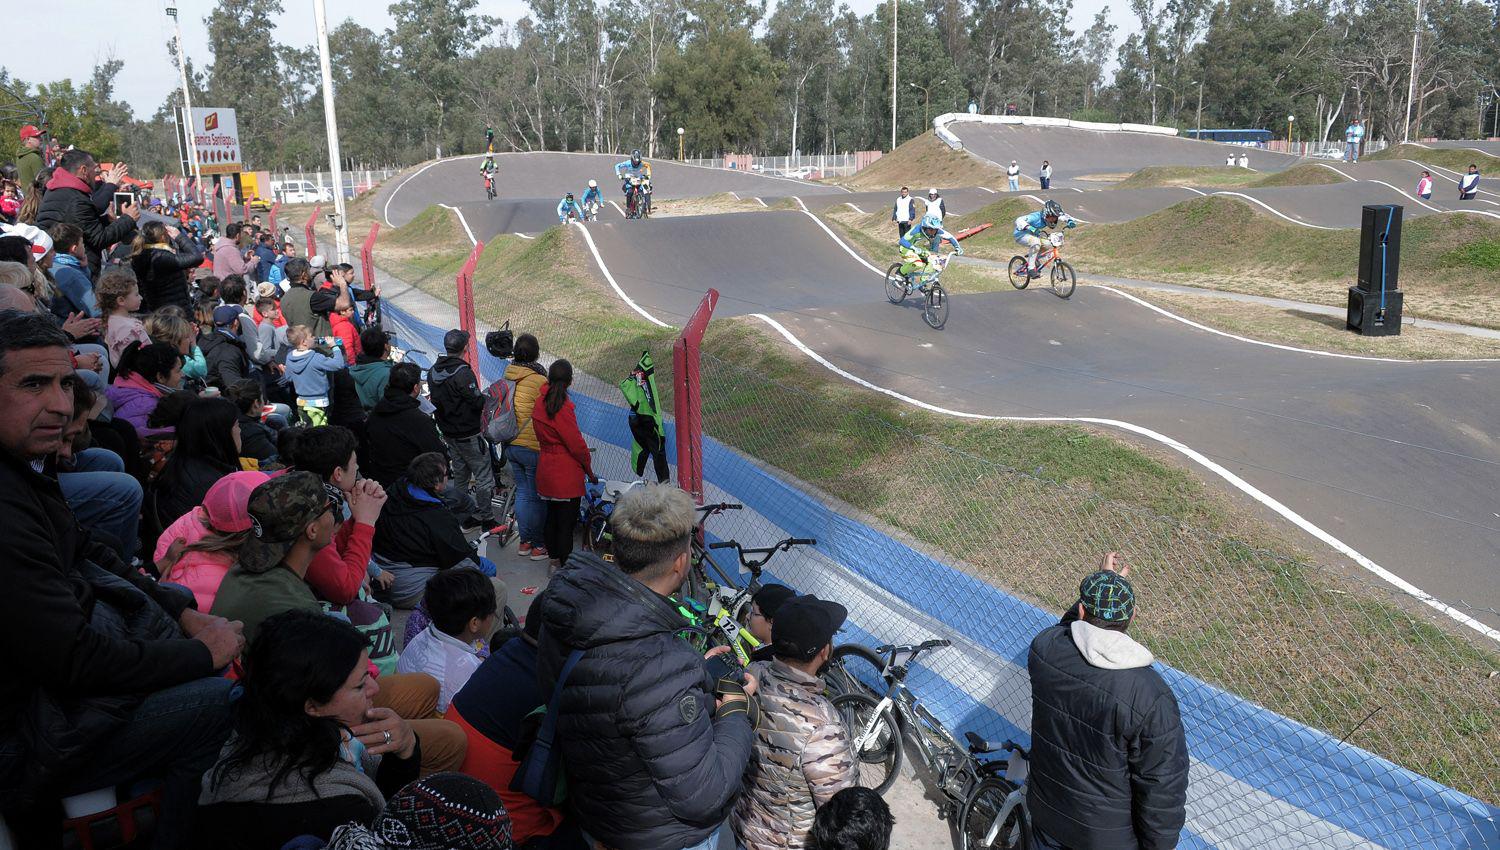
{"points": [[221, 492]]}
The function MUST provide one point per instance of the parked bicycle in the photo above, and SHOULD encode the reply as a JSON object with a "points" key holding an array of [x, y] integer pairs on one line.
{"points": [[699, 583], [983, 797], [1064, 280], [924, 280], [727, 607]]}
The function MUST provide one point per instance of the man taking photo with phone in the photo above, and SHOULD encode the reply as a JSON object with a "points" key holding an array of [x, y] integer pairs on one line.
{"points": [[70, 200]]}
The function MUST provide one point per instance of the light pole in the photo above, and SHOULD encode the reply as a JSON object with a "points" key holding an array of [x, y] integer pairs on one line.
{"points": [[895, 30], [1200, 107], [1411, 85], [926, 98], [331, 125], [1289, 119], [189, 133], [680, 131]]}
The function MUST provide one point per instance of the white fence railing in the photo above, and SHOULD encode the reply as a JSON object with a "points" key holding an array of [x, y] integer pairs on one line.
{"points": [[355, 180], [806, 166]]}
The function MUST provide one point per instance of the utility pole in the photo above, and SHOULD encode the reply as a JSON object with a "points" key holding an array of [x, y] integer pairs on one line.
{"points": [[1200, 110], [186, 121], [1411, 86], [331, 121], [895, 17]]}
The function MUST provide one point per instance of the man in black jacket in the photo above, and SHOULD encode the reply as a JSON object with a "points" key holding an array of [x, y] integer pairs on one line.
{"points": [[1109, 760], [655, 750], [224, 352], [70, 199], [109, 676], [460, 405], [397, 430]]}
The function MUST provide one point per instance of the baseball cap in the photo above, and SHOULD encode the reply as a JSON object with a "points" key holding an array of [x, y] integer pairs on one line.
{"points": [[771, 597], [316, 261], [227, 503], [225, 315], [804, 625], [1108, 596], [456, 340], [40, 241], [932, 191], [280, 510], [29, 132]]}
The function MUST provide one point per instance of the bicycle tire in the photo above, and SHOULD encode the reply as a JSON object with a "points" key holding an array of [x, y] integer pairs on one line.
{"points": [[1017, 272], [1064, 280], [979, 813], [895, 284], [853, 668], [885, 750], [935, 311]]}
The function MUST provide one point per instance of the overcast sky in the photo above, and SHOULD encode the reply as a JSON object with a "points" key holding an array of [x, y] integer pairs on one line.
{"points": [[137, 31]]}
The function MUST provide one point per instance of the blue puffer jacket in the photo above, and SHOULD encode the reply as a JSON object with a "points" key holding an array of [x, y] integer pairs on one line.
{"points": [[1109, 760], [649, 767]]}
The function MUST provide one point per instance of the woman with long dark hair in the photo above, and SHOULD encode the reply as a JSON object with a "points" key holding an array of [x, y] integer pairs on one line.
{"points": [[162, 257], [34, 193], [208, 448], [143, 376], [309, 751], [563, 461]]}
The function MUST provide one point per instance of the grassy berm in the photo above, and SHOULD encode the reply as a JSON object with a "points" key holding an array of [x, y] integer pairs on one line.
{"points": [[1456, 159], [1227, 177], [1312, 646], [925, 161]]}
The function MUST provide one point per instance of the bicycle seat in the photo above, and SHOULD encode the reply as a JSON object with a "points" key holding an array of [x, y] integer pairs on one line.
{"points": [[978, 744]]}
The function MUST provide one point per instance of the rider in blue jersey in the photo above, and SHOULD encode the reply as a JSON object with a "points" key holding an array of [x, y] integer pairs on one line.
{"points": [[922, 240], [566, 207], [1029, 230], [633, 167], [592, 195]]}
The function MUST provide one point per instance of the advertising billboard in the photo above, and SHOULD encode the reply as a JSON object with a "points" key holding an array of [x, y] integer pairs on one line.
{"points": [[216, 138]]}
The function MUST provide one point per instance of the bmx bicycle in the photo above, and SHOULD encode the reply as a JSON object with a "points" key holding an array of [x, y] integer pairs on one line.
{"points": [[591, 211], [727, 607], [982, 797], [898, 286], [489, 188], [1064, 281]]}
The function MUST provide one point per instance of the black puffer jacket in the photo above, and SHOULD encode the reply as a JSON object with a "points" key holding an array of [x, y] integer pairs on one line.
{"points": [[649, 766], [163, 274], [416, 528], [74, 206], [456, 395], [227, 360], [1109, 761], [396, 432]]}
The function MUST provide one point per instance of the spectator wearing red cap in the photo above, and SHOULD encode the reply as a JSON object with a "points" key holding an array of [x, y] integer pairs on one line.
{"points": [[30, 160]]}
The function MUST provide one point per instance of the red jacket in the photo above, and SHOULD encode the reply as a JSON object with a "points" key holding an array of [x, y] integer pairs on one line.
{"points": [[344, 329], [564, 458], [338, 570]]}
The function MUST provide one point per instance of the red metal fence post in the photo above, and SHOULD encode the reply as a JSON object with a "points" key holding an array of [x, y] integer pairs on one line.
{"points": [[312, 244], [247, 212], [367, 257], [687, 401], [466, 305], [275, 208]]}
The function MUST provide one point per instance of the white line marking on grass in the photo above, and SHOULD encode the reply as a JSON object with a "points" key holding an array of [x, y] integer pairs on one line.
{"points": [[761, 201], [593, 249], [1274, 211], [1182, 448], [1200, 192], [855, 208], [461, 220], [1338, 172], [987, 189], [801, 205], [850, 251], [524, 236]]}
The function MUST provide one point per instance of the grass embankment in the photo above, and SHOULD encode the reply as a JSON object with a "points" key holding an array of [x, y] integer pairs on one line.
{"points": [[1308, 643], [724, 202], [1456, 159], [1227, 177], [926, 161], [1450, 263]]}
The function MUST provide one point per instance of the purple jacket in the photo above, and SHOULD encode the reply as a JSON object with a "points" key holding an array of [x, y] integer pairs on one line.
{"points": [[134, 398]]}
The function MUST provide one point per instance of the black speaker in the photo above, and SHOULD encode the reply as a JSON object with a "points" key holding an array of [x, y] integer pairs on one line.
{"points": [[1380, 248], [1375, 313]]}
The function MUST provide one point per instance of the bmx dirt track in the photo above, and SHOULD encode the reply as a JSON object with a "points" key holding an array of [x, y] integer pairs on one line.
{"points": [[1395, 459]]}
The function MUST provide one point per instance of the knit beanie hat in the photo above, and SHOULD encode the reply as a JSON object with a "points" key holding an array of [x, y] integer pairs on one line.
{"points": [[445, 811]]}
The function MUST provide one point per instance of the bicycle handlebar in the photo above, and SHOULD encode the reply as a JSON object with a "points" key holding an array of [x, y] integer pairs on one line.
{"points": [[909, 650], [766, 552]]}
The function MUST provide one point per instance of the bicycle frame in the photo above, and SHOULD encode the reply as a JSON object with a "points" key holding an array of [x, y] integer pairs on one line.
{"points": [[911, 714]]}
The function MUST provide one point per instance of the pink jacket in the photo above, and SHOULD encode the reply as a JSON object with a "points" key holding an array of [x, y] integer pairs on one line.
{"points": [[200, 572], [230, 259]]}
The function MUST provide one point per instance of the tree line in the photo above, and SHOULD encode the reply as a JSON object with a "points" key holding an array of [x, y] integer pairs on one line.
{"points": [[809, 75]]}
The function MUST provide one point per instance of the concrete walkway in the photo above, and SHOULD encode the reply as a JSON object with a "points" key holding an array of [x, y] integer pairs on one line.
{"points": [[1279, 303]]}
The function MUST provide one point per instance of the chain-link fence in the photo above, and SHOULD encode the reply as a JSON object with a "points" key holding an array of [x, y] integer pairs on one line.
{"points": [[310, 187], [1322, 709]]}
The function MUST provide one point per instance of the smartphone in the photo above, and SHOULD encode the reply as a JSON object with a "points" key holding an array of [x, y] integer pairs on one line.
{"points": [[123, 199]]}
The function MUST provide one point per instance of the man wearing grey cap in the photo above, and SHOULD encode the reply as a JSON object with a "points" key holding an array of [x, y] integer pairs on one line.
{"points": [[1109, 760]]}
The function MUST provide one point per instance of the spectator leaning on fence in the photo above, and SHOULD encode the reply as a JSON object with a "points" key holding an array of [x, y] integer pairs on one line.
{"points": [[1109, 760], [654, 758]]}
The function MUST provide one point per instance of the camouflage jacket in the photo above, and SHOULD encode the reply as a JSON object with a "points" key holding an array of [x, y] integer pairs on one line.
{"points": [[803, 756]]}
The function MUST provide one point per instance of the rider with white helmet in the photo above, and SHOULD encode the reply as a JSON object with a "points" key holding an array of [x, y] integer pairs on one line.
{"points": [[592, 196], [1029, 229]]}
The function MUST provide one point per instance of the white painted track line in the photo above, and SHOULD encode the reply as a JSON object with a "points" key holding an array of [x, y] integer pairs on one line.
{"points": [[461, 220]]}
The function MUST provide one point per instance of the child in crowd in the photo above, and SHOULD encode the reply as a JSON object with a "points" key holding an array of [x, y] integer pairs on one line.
{"points": [[198, 549], [170, 325], [855, 819], [119, 298], [307, 370], [462, 606], [344, 327]]}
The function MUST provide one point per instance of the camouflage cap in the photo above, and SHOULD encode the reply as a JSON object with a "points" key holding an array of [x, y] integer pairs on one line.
{"points": [[1108, 596], [280, 510]]}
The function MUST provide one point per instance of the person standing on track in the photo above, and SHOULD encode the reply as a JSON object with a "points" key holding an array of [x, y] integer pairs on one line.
{"points": [[1468, 186], [935, 205], [1013, 176], [1046, 175], [904, 212], [1354, 135], [1424, 186]]}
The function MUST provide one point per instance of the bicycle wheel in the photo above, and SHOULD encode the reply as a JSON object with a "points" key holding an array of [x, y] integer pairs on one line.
{"points": [[1064, 281], [853, 669], [1018, 276], [935, 313], [977, 828], [880, 753], [895, 284]]}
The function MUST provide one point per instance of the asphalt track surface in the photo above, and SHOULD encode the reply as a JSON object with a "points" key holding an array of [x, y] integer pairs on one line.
{"points": [[1489, 146], [1396, 459], [538, 181]]}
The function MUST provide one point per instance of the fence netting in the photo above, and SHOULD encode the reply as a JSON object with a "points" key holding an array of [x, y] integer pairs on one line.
{"points": [[1322, 708]]}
